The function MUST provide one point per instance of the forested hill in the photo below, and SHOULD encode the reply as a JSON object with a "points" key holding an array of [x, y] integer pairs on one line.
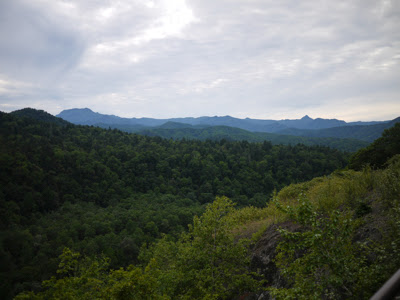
{"points": [[39, 115], [334, 237], [151, 163], [377, 154], [367, 133], [107, 191], [237, 134]]}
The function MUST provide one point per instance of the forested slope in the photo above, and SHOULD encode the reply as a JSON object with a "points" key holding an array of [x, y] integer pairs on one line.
{"points": [[335, 237], [332, 133], [105, 191], [367, 133], [236, 134], [178, 131], [377, 154]]}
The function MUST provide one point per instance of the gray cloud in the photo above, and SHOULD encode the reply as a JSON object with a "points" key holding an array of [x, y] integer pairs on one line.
{"points": [[264, 59], [34, 45]]}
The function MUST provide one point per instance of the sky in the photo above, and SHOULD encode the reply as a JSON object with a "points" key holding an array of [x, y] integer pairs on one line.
{"points": [[263, 59]]}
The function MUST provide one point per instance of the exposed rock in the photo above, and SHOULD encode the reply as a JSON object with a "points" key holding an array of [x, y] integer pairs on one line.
{"points": [[263, 257]]}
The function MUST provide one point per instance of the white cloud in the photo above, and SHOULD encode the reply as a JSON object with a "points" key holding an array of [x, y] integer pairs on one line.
{"points": [[167, 58], [175, 16]]}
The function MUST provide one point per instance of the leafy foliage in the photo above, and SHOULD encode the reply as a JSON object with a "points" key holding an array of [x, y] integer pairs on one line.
{"points": [[320, 262], [236, 134], [85, 278], [205, 263], [329, 257], [379, 151], [130, 198], [105, 191], [348, 245]]}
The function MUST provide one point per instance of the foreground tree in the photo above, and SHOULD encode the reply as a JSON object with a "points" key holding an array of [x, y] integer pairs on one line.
{"points": [[320, 261], [205, 263]]}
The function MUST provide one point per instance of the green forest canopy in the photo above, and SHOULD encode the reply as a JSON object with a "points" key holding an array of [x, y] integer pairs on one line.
{"points": [[347, 244], [104, 191]]}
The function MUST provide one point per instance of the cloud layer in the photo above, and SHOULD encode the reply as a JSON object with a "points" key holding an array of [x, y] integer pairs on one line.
{"points": [[170, 58]]}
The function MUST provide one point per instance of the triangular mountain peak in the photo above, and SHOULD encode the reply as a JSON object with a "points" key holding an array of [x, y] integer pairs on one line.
{"points": [[306, 117]]}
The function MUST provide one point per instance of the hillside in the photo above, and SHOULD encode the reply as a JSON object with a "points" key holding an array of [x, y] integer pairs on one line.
{"points": [[105, 191], [376, 154], [237, 134], [335, 237], [177, 131], [115, 208], [39, 115], [332, 133], [367, 133]]}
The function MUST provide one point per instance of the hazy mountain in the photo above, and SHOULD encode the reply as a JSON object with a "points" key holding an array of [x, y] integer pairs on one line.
{"points": [[308, 123], [85, 116], [236, 134], [366, 133], [88, 117], [189, 127], [177, 125]]}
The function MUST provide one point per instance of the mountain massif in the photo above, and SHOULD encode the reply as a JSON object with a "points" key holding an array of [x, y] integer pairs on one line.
{"points": [[332, 133], [88, 117]]}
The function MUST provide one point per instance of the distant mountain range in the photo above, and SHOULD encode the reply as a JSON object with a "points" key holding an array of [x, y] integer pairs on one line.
{"points": [[86, 116], [306, 126], [367, 133], [343, 136]]}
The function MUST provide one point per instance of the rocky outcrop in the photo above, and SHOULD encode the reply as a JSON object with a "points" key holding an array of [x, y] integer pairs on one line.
{"points": [[263, 256]]}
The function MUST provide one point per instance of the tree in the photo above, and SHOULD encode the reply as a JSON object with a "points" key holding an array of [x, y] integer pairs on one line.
{"points": [[206, 263], [380, 151], [320, 261], [85, 278]]}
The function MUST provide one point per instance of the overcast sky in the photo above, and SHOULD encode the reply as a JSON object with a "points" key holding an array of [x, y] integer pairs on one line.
{"points": [[263, 59]]}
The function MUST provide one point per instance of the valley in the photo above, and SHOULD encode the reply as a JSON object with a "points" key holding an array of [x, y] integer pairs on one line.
{"points": [[145, 206]]}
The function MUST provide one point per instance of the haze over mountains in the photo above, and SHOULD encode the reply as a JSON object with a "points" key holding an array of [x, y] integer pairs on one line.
{"points": [[329, 132], [86, 116]]}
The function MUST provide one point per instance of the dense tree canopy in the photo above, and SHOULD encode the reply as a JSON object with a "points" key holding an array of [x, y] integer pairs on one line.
{"points": [[347, 240], [105, 191], [379, 151], [237, 134], [341, 241]]}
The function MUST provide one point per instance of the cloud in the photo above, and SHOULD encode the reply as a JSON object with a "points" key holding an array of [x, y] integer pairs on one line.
{"points": [[167, 58], [34, 45]]}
